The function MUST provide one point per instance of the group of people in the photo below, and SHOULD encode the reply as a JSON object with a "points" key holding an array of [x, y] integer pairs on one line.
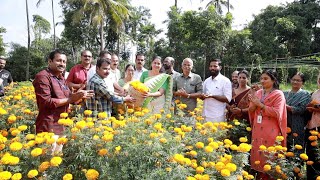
{"points": [[273, 113], [5, 76], [97, 87]]}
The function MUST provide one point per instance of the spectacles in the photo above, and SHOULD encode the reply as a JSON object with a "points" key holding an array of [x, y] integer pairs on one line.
{"points": [[296, 80], [87, 56]]}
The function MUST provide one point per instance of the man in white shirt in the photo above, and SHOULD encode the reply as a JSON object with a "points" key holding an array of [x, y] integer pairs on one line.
{"points": [[114, 67], [140, 61], [217, 93], [111, 81]]}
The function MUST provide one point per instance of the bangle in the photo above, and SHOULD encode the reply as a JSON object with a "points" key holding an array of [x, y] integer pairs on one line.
{"points": [[188, 96]]}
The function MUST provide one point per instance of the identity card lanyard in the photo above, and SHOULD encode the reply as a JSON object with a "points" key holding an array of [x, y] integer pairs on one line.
{"points": [[259, 119]]}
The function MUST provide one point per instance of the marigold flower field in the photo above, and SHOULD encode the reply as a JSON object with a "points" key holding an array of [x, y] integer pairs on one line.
{"points": [[136, 145]]}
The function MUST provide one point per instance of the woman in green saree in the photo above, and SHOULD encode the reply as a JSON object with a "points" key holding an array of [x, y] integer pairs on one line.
{"points": [[160, 85]]}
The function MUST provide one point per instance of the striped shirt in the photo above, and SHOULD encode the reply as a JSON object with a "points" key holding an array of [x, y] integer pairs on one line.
{"points": [[103, 98]]}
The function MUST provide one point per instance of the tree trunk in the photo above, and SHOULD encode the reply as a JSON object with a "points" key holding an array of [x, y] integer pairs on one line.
{"points": [[54, 27], [102, 36], [28, 58], [176, 3]]}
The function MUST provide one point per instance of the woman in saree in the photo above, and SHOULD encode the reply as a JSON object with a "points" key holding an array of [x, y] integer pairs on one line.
{"points": [[313, 126], [297, 100], [160, 85], [268, 119], [128, 76], [239, 103]]}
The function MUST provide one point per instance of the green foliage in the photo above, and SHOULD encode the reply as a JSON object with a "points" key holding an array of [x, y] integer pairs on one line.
{"points": [[41, 26], [2, 45]]}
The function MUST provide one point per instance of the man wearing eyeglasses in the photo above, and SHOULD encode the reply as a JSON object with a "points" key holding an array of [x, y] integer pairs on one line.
{"points": [[77, 77]]}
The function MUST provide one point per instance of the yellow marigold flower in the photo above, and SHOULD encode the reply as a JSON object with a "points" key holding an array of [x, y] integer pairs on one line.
{"points": [[208, 149], [130, 111], [157, 116], [168, 169], [12, 119], [225, 173], [228, 142], [280, 155], [17, 97], [191, 178], [44, 166], [214, 145], [178, 158], [36, 152], [237, 123], [244, 147], [16, 176], [87, 112], [193, 153], [15, 132], [168, 116], [14, 160], [67, 177], [231, 167], [92, 174], [298, 146], [262, 147], [63, 115], [210, 140], [30, 136], [158, 126], [118, 148], [55, 161], [22, 127], [248, 129], [271, 149], [266, 167], [243, 139], [81, 124], [199, 145], [62, 140], [219, 166], [304, 156], [199, 169], [32, 173], [102, 115], [163, 140], [5, 175], [15, 146], [314, 133], [3, 112], [234, 147], [279, 138]]}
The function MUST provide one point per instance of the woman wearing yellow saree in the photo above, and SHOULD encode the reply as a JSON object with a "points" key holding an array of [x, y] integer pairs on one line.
{"points": [[160, 85]]}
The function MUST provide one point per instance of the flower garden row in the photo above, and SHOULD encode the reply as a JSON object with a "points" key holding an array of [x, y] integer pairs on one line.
{"points": [[137, 145]]}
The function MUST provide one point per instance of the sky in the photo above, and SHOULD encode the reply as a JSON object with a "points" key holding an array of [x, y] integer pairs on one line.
{"points": [[13, 14]]}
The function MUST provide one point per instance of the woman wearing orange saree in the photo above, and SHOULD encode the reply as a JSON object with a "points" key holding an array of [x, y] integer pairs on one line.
{"points": [[239, 104], [268, 118]]}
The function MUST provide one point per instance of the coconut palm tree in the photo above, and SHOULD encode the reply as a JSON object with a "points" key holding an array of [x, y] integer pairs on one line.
{"points": [[218, 4], [53, 23], [100, 11], [29, 42]]}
